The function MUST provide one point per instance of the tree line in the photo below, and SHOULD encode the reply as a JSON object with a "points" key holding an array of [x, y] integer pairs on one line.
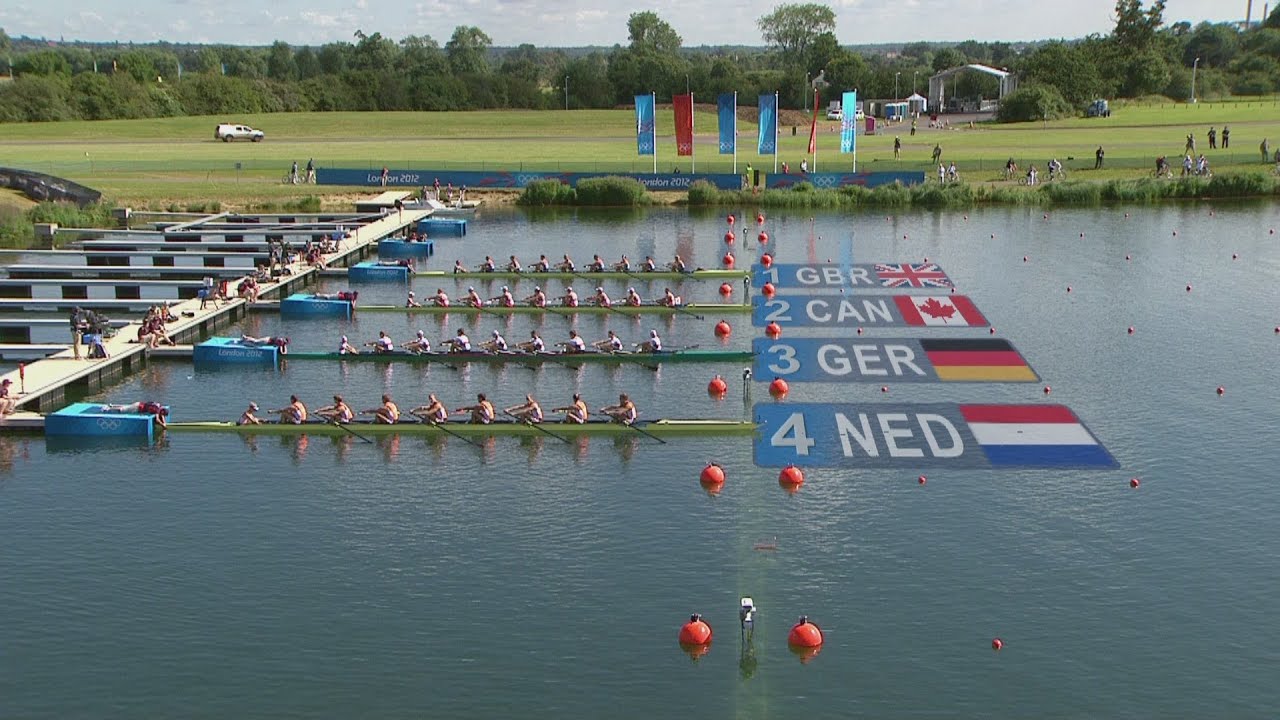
{"points": [[1142, 56]]}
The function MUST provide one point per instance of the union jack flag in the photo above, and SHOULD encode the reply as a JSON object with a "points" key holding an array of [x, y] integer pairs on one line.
{"points": [[912, 275]]}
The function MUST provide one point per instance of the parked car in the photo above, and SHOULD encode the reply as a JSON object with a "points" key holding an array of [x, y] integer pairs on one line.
{"points": [[1099, 108], [226, 132]]}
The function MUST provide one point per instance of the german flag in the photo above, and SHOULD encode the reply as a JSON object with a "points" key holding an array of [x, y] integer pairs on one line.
{"points": [[977, 360]]}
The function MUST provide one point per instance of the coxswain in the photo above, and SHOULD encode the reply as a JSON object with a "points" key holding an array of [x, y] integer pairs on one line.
{"points": [[624, 412], [623, 265], [670, 299], [528, 412], [433, 412], [513, 265], [294, 414], [473, 298], [418, 345], [248, 418], [610, 344], [676, 265], [145, 407], [601, 298], [482, 412], [575, 414], [597, 264], [382, 345], [458, 268], [459, 342], [565, 265], [339, 412], [440, 299], [534, 344], [537, 299], [570, 298], [496, 344], [543, 265], [388, 413], [281, 343], [487, 266], [346, 348], [411, 302], [505, 299], [652, 345], [649, 264], [573, 345], [633, 298]]}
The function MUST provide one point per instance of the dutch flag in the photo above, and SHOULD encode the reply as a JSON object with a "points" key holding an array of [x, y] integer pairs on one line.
{"points": [[1034, 435]]}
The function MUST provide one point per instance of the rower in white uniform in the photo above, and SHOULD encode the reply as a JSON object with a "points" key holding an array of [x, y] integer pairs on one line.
{"points": [[383, 344], [459, 342], [410, 302], [624, 412], [534, 344], [652, 345], [433, 412], [513, 265], [529, 411], [495, 344], [610, 344], [574, 344], [346, 348], [418, 345], [575, 414]]}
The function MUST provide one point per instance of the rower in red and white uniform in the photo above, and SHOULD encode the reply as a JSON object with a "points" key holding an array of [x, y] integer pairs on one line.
{"points": [[411, 302], [601, 298], [440, 299], [534, 344], [597, 264], [543, 265], [487, 266], [570, 298], [565, 265], [633, 298], [497, 343], [505, 299], [652, 345], [473, 298], [459, 342], [624, 412], [575, 414], [613, 343], [433, 412], [346, 348], [573, 345], [513, 265], [537, 299], [529, 411], [670, 299], [623, 265], [676, 265], [649, 264], [419, 344]]}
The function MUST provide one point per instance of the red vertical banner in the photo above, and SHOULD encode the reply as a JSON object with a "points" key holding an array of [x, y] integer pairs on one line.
{"points": [[813, 127], [683, 105]]}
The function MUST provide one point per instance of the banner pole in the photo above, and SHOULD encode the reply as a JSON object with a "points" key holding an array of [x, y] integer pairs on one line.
{"points": [[814, 125], [776, 149], [693, 145], [654, 95], [735, 132]]}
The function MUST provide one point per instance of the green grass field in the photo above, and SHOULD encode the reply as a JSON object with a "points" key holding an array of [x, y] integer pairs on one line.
{"points": [[161, 162]]}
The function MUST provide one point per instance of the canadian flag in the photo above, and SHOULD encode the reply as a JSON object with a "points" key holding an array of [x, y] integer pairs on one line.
{"points": [[944, 310]]}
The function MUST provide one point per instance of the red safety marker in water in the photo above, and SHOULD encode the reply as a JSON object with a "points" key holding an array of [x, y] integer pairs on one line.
{"points": [[726, 289], [1134, 482], [773, 331], [768, 290], [723, 330], [717, 386], [712, 474], [791, 475], [922, 480], [997, 644], [779, 388]]}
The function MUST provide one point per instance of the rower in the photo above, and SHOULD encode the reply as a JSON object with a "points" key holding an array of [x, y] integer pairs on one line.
{"points": [[418, 345], [623, 265], [676, 265], [496, 344], [385, 414], [382, 345], [649, 264], [294, 414], [633, 298], [440, 299], [597, 264], [487, 266], [339, 412], [537, 299], [513, 265], [610, 344], [248, 417], [280, 343], [346, 348], [652, 345], [458, 269], [575, 414], [543, 265], [410, 302], [144, 407], [601, 298], [573, 345], [482, 412], [473, 298], [534, 344], [505, 299], [565, 265], [570, 298], [459, 342], [528, 412], [670, 299], [624, 412], [433, 412]]}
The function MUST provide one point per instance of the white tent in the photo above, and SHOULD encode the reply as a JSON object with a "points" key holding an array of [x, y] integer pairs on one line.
{"points": [[918, 103]]}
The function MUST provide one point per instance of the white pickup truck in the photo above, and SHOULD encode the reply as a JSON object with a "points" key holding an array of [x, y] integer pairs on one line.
{"points": [[226, 132]]}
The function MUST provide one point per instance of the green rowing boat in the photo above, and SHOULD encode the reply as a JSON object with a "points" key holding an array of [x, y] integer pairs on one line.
{"points": [[682, 356], [608, 275], [657, 428], [688, 309]]}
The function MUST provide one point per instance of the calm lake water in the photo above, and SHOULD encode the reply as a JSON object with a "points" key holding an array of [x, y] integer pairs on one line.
{"points": [[214, 576]]}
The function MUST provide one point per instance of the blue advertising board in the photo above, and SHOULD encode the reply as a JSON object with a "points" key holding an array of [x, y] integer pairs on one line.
{"points": [[517, 179], [890, 360], [837, 180], [891, 277], [846, 311]]}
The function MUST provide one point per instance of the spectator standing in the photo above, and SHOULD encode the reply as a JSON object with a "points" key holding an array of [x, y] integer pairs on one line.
{"points": [[897, 148], [311, 170], [1097, 158], [1265, 147], [1213, 139], [386, 174], [293, 173], [1226, 137]]}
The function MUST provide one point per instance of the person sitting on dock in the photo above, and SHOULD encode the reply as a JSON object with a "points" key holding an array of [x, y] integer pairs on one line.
{"points": [[487, 266], [459, 342], [649, 265], [534, 344], [482, 412], [504, 300], [537, 299], [601, 299], [458, 268], [596, 265], [575, 413], [7, 404], [566, 265], [346, 348], [382, 345], [388, 413], [573, 345], [434, 412], [440, 299], [610, 344], [418, 345], [624, 412], [248, 418], [145, 407], [623, 265], [513, 265], [670, 299], [411, 302], [473, 299], [542, 266], [570, 298], [496, 344], [676, 265], [248, 290], [652, 345], [165, 313], [339, 412], [527, 412], [633, 298], [281, 343]]}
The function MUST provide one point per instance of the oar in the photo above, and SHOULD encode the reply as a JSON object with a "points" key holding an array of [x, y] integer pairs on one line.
{"points": [[538, 427], [633, 427], [680, 309], [446, 431], [334, 421]]}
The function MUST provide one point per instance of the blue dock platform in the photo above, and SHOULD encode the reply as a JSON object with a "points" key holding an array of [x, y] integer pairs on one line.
{"points": [[420, 250], [375, 272], [88, 420], [443, 227], [303, 305], [219, 352]]}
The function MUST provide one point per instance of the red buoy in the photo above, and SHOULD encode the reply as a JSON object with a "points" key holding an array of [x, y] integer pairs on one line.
{"points": [[1068, 288], [1130, 329], [723, 330], [717, 386], [726, 289], [791, 475], [1278, 329], [730, 219], [1047, 389], [1128, 257], [729, 237], [884, 388], [1024, 258], [1188, 287], [1134, 482], [768, 289], [1221, 390], [763, 237], [695, 632], [760, 219], [997, 644], [926, 258], [779, 388], [859, 331], [712, 474], [804, 634], [728, 260], [1235, 256], [773, 330], [922, 480], [766, 260], [991, 331]]}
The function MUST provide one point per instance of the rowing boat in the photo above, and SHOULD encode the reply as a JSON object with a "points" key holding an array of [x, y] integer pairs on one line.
{"points": [[683, 356], [689, 308], [658, 428], [608, 275]]}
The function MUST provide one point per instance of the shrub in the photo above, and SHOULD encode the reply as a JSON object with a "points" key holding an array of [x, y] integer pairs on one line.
{"points": [[612, 192], [546, 192], [703, 193], [1033, 102]]}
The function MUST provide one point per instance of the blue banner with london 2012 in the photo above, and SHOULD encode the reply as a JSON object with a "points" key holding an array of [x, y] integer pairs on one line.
{"points": [[834, 180], [499, 179]]}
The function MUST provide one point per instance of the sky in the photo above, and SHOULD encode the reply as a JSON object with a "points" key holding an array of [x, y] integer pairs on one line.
{"points": [[567, 23]]}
